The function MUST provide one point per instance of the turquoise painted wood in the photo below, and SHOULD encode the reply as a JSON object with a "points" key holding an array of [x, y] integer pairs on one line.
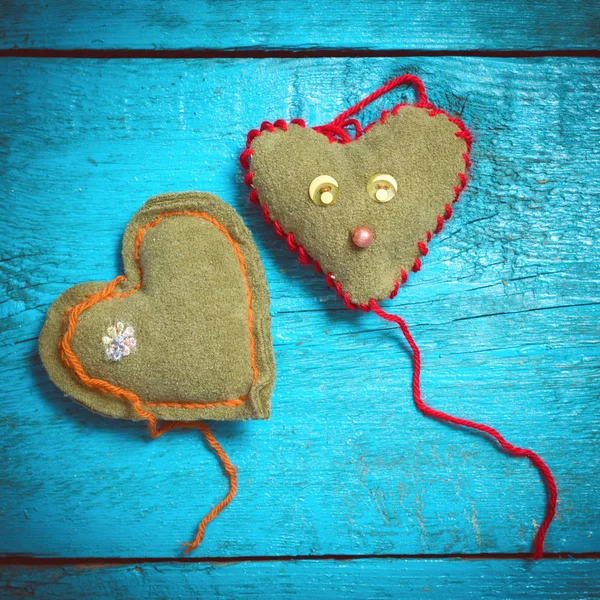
{"points": [[506, 310], [448, 25], [319, 580]]}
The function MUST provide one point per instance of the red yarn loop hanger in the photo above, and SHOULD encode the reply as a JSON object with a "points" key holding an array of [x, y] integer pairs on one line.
{"points": [[336, 129], [406, 79]]}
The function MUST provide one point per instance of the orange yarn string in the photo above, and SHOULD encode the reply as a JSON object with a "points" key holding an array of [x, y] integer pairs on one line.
{"points": [[71, 361], [227, 466]]}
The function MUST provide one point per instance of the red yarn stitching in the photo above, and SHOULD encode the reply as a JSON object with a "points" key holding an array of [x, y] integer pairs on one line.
{"points": [[251, 135], [417, 265], [266, 126], [388, 87], [397, 108], [335, 131], [245, 156], [440, 225], [538, 463], [254, 197]]}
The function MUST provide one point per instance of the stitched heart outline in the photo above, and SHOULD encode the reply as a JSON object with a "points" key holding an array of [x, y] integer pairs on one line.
{"points": [[336, 132]]}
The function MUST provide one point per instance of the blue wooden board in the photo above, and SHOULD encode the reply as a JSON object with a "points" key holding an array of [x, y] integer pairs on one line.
{"points": [[506, 310], [318, 580], [432, 25]]}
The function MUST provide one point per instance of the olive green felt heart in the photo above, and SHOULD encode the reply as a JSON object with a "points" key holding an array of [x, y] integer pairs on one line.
{"points": [[362, 209], [186, 330], [379, 199]]}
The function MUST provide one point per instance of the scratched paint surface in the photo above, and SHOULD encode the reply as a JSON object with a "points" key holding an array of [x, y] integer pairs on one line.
{"points": [[312, 24], [506, 310], [383, 579]]}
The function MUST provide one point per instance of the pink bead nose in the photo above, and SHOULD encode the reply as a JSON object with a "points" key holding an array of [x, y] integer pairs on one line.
{"points": [[362, 237]]}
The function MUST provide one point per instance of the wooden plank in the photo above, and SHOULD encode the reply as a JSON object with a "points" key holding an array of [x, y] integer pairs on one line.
{"points": [[317, 24], [506, 310], [317, 579]]}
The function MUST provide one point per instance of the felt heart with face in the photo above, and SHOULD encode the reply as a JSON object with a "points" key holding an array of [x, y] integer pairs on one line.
{"points": [[362, 209], [183, 335]]}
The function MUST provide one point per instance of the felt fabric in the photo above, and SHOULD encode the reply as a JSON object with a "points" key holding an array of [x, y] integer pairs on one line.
{"points": [[190, 317], [420, 151]]}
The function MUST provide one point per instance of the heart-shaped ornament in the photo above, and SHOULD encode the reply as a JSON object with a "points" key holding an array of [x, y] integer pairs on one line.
{"points": [[183, 335], [362, 209]]}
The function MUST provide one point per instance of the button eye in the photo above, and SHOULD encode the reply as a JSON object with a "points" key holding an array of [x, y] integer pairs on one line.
{"points": [[381, 187], [324, 190]]}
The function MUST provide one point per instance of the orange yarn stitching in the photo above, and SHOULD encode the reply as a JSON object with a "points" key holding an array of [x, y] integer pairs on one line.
{"points": [[72, 314], [235, 402], [71, 361]]}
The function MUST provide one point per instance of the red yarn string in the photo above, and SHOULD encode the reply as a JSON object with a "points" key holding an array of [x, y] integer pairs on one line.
{"points": [[406, 79], [336, 129], [538, 463]]}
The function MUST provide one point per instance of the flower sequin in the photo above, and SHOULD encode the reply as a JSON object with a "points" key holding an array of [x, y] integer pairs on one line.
{"points": [[119, 341]]}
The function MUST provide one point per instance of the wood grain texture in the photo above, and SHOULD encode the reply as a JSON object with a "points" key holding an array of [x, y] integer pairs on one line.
{"points": [[319, 580], [506, 310], [476, 25]]}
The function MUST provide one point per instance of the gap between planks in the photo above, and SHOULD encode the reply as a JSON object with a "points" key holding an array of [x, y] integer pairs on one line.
{"points": [[285, 53], [33, 561]]}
